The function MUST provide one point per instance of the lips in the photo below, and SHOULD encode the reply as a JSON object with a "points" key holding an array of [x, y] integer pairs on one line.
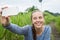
{"points": [[38, 23]]}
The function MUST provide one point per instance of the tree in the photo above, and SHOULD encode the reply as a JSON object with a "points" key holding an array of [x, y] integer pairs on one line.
{"points": [[31, 9], [40, 0]]}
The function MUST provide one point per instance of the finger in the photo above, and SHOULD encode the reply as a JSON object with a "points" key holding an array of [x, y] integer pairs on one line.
{"points": [[8, 18], [3, 17], [0, 15], [4, 7], [0, 11]]}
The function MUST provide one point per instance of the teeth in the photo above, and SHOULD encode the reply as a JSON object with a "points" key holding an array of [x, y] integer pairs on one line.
{"points": [[38, 23]]}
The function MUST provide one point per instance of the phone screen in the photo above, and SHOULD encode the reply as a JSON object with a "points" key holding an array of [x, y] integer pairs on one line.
{"points": [[10, 11]]}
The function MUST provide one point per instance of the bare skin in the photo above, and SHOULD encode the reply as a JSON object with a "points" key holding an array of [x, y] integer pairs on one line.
{"points": [[3, 20]]}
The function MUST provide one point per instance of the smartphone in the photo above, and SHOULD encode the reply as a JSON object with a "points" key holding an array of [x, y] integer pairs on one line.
{"points": [[10, 11]]}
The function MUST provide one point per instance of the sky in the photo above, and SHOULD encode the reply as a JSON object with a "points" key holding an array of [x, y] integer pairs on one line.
{"points": [[50, 5]]}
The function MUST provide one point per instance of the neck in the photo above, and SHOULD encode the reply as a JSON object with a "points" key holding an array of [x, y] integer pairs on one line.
{"points": [[39, 30]]}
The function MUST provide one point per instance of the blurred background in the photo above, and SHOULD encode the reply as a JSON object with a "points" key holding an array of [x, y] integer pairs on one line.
{"points": [[50, 9]]}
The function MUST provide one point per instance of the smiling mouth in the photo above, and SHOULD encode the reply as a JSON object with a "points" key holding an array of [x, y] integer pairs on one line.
{"points": [[38, 23]]}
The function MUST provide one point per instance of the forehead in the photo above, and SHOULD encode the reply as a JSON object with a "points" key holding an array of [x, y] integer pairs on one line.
{"points": [[37, 13]]}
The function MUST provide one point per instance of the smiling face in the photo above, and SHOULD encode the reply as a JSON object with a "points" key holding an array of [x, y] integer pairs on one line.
{"points": [[37, 19]]}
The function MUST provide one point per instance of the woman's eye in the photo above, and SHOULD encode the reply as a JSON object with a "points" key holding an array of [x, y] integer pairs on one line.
{"points": [[40, 17], [34, 18]]}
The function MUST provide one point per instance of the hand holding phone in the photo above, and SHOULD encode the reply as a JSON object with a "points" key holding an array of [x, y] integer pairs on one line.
{"points": [[5, 12]]}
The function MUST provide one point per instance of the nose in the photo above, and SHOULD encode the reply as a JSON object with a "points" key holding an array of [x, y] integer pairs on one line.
{"points": [[38, 20]]}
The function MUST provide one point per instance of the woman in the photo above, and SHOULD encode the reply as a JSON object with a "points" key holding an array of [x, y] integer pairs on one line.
{"points": [[38, 31]]}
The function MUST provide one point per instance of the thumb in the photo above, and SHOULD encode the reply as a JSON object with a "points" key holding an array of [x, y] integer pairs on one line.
{"points": [[8, 18]]}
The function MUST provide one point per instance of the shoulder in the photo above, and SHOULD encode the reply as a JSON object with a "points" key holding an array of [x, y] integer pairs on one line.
{"points": [[47, 28], [47, 32]]}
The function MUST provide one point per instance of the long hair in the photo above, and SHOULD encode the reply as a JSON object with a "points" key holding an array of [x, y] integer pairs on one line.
{"points": [[33, 28], [34, 32]]}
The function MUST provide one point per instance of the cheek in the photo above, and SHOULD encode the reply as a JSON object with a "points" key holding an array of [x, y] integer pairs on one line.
{"points": [[42, 20], [33, 21]]}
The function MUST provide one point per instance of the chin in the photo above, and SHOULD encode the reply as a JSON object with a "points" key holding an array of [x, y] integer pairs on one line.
{"points": [[38, 26]]}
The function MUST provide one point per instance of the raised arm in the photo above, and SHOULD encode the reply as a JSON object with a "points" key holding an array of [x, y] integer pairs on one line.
{"points": [[18, 30], [12, 27]]}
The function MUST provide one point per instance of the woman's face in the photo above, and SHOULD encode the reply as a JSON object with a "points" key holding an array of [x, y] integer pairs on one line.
{"points": [[37, 19]]}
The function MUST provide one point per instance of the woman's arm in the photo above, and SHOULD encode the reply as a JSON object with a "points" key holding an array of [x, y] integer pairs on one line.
{"points": [[5, 21], [18, 30]]}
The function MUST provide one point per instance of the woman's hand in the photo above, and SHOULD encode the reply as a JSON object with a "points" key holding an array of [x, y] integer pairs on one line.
{"points": [[4, 20]]}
